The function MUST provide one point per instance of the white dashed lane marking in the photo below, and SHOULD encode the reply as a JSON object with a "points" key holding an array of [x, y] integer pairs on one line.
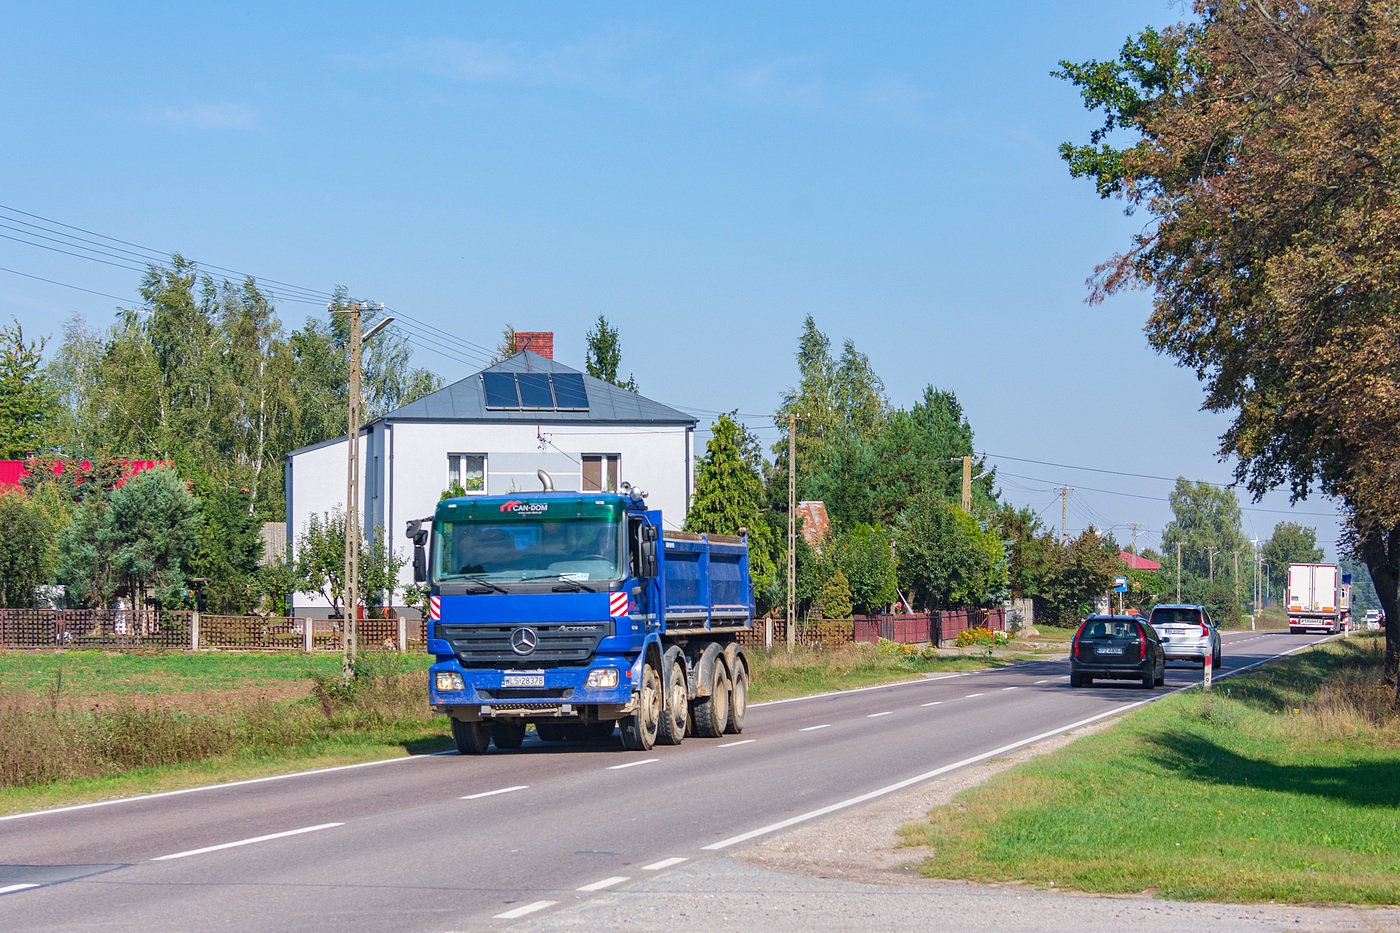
{"points": [[633, 764], [885, 713], [740, 742], [825, 725], [934, 703], [605, 883], [523, 911], [971, 695], [492, 793], [664, 863], [246, 842]]}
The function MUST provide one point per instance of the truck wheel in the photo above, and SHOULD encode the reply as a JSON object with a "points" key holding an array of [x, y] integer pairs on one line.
{"points": [[677, 709], [739, 698], [472, 738], [508, 733], [639, 729], [711, 713], [550, 731]]}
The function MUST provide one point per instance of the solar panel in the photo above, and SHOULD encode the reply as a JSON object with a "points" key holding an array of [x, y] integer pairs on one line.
{"points": [[534, 391], [569, 392], [500, 390]]}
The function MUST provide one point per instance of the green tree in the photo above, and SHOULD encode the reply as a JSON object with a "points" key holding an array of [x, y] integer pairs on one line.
{"points": [[28, 399], [604, 355], [25, 550], [1083, 571], [1262, 146], [866, 560], [506, 348], [1206, 523], [230, 549], [1290, 543], [946, 558], [75, 370], [320, 563], [921, 450], [729, 497], [151, 529], [834, 601]]}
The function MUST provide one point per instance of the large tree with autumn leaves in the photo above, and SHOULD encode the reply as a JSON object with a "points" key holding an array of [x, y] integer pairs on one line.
{"points": [[1262, 141]]}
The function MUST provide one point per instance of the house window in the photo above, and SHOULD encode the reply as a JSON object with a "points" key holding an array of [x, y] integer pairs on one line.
{"points": [[468, 471], [600, 472]]}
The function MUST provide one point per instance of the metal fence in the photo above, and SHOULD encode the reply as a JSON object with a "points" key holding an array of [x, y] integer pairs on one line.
{"points": [[935, 628], [131, 630]]}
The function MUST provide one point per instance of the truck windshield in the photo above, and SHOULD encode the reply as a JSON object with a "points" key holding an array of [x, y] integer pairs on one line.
{"points": [[517, 551]]}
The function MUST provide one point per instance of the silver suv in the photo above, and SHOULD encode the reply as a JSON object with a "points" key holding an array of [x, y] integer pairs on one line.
{"points": [[1188, 633]]}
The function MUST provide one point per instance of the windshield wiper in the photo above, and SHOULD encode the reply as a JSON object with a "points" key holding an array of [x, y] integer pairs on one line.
{"points": [[489, 587], [564, 583]]}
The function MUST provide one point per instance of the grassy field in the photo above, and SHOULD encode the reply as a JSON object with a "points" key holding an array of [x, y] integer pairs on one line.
{"points": [[83, 725], [1281, 785]]}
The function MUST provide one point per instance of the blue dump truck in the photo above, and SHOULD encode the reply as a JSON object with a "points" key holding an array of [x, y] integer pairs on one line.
{"points": [[575, 613]]}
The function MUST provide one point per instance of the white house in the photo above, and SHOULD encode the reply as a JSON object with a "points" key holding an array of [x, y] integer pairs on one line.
{"points": [[491, 432]]}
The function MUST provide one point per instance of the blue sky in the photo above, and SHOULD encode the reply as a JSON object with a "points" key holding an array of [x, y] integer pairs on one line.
{"points": [[703, 175]]}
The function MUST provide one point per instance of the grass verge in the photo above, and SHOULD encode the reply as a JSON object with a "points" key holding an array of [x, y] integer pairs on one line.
{"points": [[1281, 785]]}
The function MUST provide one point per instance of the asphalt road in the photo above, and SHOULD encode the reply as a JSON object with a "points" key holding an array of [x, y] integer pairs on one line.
{"points": [[445, 842]]}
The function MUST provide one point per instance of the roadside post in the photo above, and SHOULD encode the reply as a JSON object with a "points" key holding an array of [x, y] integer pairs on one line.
{"points": [[1208, 670]]}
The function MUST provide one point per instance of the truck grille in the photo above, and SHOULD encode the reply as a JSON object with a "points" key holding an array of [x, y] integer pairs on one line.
{"points": [[556, 643]]}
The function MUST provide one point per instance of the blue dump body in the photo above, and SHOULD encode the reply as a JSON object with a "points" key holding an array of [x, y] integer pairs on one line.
{"points": [[559, 611]]}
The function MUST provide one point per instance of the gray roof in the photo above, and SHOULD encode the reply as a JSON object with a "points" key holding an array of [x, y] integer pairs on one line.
{"points": [[465, 401]]}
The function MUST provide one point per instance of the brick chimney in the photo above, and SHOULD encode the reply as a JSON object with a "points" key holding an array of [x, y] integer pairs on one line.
{"points": [[540, 341]]}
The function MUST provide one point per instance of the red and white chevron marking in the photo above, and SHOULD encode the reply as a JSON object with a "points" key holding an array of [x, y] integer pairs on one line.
{"points": [[435, 607], [617, 604]]}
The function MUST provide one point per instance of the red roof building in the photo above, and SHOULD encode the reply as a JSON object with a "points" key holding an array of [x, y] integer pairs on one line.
{"points": [[13, 471], [1135, 562]]}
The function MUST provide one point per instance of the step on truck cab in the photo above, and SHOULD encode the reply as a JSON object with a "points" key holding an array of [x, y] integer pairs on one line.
{"points": [[576, 614]]}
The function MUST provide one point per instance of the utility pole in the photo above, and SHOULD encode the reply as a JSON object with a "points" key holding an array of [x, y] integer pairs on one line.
{"points": [[1064, 512], [1210, 554], [349, 627], [1178, 571], [792, 532], [1237, 580], [967, 485], [1135, 550]]}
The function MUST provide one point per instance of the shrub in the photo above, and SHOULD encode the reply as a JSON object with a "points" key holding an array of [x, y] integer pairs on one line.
{"points": [[982, 636]]}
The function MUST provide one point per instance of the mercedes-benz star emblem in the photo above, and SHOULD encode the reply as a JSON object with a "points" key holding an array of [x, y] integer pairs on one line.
{"points": [[524, 640]]}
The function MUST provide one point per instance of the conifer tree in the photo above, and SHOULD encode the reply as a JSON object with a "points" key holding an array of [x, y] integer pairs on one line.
{"points": [[729, 497]]}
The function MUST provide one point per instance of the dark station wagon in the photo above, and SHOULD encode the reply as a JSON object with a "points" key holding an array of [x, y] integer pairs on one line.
{"points": [[1117, 648]]}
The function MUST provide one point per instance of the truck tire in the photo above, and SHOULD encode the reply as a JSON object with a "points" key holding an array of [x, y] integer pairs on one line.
{"points": [[550, 731], [711, 713], [472, 738], [508, 733], [639, 729], [739, 697], [677, 707]]}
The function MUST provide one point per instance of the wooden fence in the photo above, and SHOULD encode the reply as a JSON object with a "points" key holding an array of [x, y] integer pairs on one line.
{"points": [[130, 630], [935, 628]]}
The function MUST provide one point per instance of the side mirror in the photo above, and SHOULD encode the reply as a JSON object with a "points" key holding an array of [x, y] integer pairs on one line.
{"points": [[647, 553], [420, 565]]}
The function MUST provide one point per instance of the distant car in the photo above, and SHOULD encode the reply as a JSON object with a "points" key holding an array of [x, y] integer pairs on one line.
{"points": [[1116, 648], [1373, 618], [1188, 633]]}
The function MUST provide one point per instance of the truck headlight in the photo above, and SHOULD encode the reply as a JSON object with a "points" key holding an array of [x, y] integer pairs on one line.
{"points": [[601, 678], [448, 682]]}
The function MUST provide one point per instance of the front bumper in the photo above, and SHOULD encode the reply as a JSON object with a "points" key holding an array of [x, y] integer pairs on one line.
{"points": [[565, 693]]}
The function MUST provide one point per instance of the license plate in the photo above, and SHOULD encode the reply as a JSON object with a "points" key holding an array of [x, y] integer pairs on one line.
{"points": [[522, 680], [1108, 651]]}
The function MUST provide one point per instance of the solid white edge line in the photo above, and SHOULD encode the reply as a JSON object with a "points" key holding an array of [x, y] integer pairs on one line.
{"points": [[205, 787], [246, 842], [522, 911], [740, 742], [11, 889], [605, 883], [492, 793], [938, 772], [825, 725], [897, 683], [665, 863], [632, 764], [918, 778]]}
